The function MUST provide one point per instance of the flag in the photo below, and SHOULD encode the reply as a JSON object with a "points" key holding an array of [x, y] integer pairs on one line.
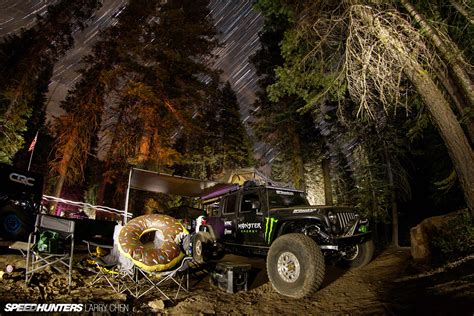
{"points": [[33, 143]]}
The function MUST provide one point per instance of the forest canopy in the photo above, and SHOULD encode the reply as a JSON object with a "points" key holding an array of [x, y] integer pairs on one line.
{"points": [[367, 103]]}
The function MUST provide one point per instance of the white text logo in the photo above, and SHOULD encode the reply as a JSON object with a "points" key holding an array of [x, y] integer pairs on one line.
{"points": [[15, 177]]}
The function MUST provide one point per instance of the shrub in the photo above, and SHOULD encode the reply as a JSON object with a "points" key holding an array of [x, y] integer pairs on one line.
{"points": [[455, 240]]}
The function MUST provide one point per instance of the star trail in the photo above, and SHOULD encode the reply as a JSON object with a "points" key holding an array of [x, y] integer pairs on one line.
{"points": [[237, 22]]}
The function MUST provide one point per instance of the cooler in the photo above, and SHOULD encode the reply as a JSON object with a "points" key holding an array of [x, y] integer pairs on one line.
{"points": [[231, 277]]}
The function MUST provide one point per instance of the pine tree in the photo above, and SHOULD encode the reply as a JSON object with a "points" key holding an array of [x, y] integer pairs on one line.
{"points": [[236, 146], [25, 58], [76, 131], [222, 142], [37, 124], [278, 123], [150, 81]]}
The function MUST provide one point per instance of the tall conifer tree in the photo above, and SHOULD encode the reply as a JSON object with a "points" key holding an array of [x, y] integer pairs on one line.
{"points": [[26, 58]]}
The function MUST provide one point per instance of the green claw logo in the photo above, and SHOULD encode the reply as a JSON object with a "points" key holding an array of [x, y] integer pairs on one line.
{"points": [[269, 228]]}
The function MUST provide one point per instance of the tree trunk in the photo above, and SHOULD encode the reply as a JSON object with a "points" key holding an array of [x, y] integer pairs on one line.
{"points": [[450, 130], [458, 100], [63, 167], [144, 148], [374, 219], [298, 173], [462, 10], [108, 161], [442, 115], [325, 164], [393, 201], [450, 53]]}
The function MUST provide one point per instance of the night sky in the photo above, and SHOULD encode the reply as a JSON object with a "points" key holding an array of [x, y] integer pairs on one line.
{"points": [[238, 25]]}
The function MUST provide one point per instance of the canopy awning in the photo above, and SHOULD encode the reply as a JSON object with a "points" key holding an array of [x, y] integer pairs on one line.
{"points": [[151, 181], [169, 184]]}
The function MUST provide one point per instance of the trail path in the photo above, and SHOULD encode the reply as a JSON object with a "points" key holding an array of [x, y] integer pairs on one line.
{"points": [[389, 285]]}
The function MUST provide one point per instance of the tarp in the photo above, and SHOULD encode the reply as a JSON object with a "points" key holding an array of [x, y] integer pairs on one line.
{"points": [[151, 181], [239, 176], [169, 184]]}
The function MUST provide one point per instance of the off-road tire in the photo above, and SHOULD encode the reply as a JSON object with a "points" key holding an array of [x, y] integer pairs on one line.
{"points": [[295, 265], [202, 242], [16, 223], [363, 255]]}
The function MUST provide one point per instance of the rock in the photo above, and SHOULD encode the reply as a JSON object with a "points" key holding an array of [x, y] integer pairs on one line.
{"points": [[156, 305], [421, 235], [419, 241]]}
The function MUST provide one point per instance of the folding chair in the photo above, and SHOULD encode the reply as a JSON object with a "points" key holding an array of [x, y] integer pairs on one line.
{"points": [[38, 259], [113, 268], [145, 281]]}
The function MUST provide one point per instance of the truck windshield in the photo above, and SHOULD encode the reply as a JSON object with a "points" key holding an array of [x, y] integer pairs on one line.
{"points": [[281, 198]]}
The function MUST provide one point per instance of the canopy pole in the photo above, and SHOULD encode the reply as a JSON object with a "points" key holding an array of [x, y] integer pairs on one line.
{"points": [[127, 196]]}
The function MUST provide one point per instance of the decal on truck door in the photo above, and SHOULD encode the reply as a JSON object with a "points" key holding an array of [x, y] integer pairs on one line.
{"points": [[227, 227], [269, 224], [250, 227]]}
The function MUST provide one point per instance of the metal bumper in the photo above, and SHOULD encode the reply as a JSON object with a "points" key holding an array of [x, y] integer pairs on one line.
{"points": [[354, 239]]}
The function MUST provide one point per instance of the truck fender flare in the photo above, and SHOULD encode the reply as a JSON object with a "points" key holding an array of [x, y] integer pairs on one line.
{"points": [[210, 230]]}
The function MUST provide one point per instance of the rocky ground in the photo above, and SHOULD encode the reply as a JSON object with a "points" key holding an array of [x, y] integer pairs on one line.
{"points": [[390, 285]]}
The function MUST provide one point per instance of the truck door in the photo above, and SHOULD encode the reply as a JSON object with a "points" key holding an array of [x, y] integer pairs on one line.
{"points": [[229, 218], [250, 226]]}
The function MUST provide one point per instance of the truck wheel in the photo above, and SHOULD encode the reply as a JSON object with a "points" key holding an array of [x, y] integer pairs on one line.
{"points": [[16, 223], [201, 245], [359, 255], [295, 265]]}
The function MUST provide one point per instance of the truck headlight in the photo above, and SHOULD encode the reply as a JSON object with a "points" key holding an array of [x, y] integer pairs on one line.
{"points": [[332, 217]]}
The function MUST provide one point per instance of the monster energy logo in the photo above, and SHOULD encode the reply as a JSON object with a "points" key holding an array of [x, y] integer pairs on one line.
{"points": [[269, 228]]}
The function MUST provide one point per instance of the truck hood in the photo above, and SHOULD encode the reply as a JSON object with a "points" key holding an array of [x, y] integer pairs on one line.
{"points": [[310, 209]]}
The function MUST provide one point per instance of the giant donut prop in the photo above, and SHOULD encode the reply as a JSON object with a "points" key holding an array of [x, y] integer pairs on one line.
{"points": [[151, 258]]}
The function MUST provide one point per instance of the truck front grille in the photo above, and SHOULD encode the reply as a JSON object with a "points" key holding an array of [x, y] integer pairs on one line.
{"points": [[345, 217]]}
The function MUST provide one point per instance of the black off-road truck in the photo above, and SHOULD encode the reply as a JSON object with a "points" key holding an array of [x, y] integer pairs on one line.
{"points": [[297, 238], [20, 200]]}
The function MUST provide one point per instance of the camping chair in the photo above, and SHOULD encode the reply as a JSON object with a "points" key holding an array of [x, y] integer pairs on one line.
{"points": [[162, 281], [112, 268], [44, 251], [145, 281]]}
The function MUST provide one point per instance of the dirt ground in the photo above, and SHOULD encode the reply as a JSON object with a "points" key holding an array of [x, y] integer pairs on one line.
{"points": [[390, 285]]}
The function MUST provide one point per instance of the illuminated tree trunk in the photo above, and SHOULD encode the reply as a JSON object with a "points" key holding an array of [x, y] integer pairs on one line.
{"points": [[453, 57], [456, 97], [144, 148], [326, 166], [462, 10], [298, 165], [63, 167], [442, 115], [450, 130]]}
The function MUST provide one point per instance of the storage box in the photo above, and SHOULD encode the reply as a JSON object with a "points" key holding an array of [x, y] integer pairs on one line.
{"points": [[231, 277], [49, 242]]}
